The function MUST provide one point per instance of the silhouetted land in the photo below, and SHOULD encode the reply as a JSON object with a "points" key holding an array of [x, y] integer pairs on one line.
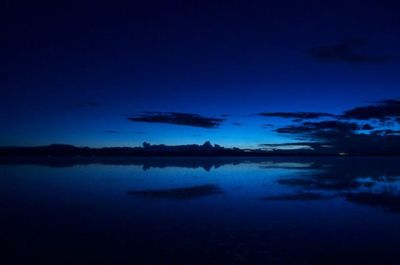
{"points": [[148, 150]]}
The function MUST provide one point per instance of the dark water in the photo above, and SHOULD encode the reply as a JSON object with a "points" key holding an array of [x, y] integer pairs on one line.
{"points": [[201, 211]]}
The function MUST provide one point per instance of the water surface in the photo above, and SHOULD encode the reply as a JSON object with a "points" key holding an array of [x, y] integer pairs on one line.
{"points": [[200, 211]]}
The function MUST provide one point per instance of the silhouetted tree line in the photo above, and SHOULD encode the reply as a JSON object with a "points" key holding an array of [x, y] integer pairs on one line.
{"points": [[206, 149]]}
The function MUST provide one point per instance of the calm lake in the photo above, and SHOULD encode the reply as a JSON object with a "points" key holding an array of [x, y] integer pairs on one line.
{"points": [[200, 211]]}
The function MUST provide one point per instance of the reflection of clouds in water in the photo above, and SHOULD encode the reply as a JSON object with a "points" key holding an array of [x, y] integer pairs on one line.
{"points": [[287, 178], [286, 165], [371, 183], [147, 163], [388, 200], [180, 193], [380, 184]]}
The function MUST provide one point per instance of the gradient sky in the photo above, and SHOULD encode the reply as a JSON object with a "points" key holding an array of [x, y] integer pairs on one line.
{"points": [[75, 72]]}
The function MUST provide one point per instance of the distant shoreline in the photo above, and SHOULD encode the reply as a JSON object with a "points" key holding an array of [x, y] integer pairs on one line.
{"points": [[159, 151]]}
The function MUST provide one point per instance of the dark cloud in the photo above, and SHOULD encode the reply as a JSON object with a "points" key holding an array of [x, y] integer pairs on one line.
{"points": [[386, 132], [349, 51], [387, 111], [297, 115], [320, 128], [383, 111], [178, 118], [303, 196], [180, 193], [345, 137], [367, 127]]}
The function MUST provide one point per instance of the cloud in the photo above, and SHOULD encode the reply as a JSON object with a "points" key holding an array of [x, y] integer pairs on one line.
{"points": [[297, 115], [180, 193], [370, 129], [303, 196], [178, 118], [293, 145], [267, 126], [319, 129], [386, 132], [367, 127], [237, 123], [344, 137], [349, 51], [382, 111]]}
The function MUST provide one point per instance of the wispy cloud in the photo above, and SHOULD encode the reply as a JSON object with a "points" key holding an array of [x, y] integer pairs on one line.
{"points": [[318, 128], [237, 124], [293, 145], [349, 51], [297, 115]]}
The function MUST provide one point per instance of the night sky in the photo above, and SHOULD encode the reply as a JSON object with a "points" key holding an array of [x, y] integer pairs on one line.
{"points": [[236, 73]]}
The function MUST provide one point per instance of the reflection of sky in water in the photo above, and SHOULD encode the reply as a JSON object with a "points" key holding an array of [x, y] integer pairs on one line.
{"points": [[278, 210]]}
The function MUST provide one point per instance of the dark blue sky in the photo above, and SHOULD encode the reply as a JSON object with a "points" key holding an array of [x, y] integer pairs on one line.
{"points": [[76, 72]]}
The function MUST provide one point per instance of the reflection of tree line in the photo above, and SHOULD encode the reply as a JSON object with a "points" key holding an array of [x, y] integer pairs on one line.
{"points": [[145, 162], [206, 163]]}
